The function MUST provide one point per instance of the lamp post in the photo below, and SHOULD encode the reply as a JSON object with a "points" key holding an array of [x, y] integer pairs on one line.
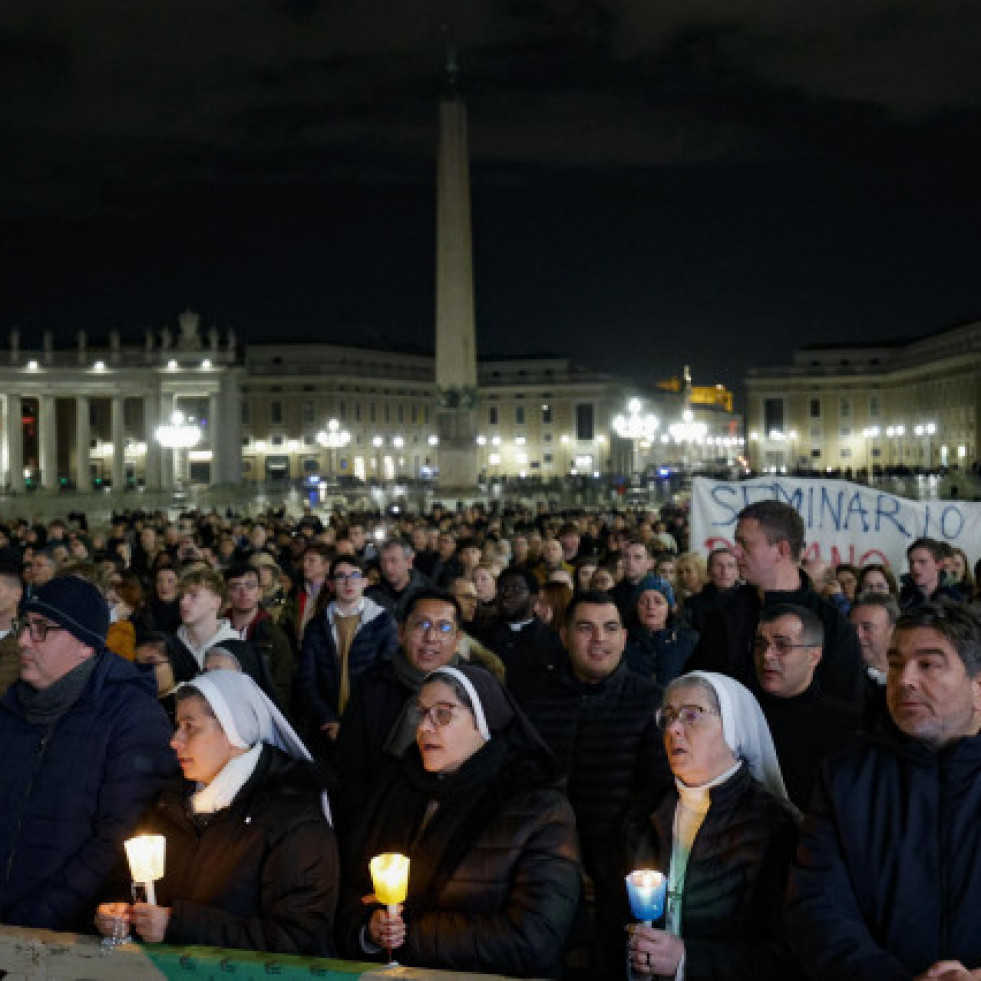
{"points": [[637, 426], [333, 438], [927, 429], [871, 434], [179, 434], [896, 433], [686, 432]]}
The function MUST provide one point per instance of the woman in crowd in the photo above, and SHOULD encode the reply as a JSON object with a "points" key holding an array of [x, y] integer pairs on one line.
{"points": [[877, 578], [584, 567], [127, 619], [658, 645], [960, 573], [172, 664], [551, 603], [847, 576], [240, 655], [690, 576], [724, 841], [484, 579], [251, 857], [164, 606], [494, 878]]}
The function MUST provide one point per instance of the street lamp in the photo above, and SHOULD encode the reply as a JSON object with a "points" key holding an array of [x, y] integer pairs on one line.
{"points": [[686, 432], [895, 433], [178, 435], [929, 430], [637, 426], [333, 439], [871, 434]]}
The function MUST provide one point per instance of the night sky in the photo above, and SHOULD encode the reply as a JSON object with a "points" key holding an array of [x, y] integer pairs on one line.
{"points": [[654, 183]]}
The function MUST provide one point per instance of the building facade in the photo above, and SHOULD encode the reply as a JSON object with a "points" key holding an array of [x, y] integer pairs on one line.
{"points": [[856, 407], [97, 417]]}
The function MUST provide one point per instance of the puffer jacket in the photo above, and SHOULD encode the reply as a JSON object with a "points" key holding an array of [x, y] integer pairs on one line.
{"points": [[318, 678], [732, 919], [609, 747], [508, 906], [70, 793], [261, 874]]}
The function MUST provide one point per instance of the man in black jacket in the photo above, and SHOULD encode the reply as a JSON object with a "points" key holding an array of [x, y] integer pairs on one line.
{"points": [[807, 725], [600, 721], [887, 883], [769, 542]]}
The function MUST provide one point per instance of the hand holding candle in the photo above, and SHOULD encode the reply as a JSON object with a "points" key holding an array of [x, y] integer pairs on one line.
{"points": [[646, 889], [146, 855], [390, 877]]}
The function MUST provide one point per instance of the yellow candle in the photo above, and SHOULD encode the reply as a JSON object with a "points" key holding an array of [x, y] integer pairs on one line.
{"points": [[390, 875]]}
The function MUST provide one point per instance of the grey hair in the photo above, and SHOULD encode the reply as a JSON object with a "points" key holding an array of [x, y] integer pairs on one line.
{"points": [[687, 681]]}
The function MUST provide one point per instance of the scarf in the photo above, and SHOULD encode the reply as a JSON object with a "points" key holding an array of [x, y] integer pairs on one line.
{"points": [[402, 735], [435, 819], [44, 706]]}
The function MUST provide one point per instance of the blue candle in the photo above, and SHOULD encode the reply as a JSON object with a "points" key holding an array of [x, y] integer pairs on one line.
{"points": [[646, 889]]}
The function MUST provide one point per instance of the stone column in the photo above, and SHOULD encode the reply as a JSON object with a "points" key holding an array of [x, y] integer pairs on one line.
{"points": [[47, 442], [217, 439], [166, 456], [14, 477], [83, 475], [231, 422], [118, 445], [151, 461]]}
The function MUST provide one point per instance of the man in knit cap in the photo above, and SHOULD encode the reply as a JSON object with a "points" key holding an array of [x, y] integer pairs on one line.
{"points": [[85, 749]]}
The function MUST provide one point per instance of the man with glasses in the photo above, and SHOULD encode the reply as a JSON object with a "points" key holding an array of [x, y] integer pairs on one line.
{"points": [[351, 635], [807, 724], [377, 727], [85, 750], [254, 625], [529, 647]]}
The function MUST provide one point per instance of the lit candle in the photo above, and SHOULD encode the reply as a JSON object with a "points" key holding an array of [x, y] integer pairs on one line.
{"points": [[646, 889], [146, 861], [390, 875]]}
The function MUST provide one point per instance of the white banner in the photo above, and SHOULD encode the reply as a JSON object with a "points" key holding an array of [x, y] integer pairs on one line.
{"points": [[844, 522]]}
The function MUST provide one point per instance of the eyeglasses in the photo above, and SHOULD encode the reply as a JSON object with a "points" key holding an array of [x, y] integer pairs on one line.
{"points": [[39, 629], [782, 645], [443, 627], [688, 715], [348, 577], [438, 715]]}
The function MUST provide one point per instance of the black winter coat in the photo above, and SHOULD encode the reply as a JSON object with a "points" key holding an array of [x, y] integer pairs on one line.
{"points": [[660, 655], [732, 919], [505, 903], [887, 878], [261, 874], [726, 644], [608, 745], [530, 655]]}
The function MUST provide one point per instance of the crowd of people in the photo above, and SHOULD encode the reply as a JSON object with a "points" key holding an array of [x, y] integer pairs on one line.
{"points": [[530, 707]]}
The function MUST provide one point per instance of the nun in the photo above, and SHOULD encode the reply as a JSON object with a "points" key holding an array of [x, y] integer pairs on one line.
{"points": [[476, 805], [251, 858], [724, 840]]}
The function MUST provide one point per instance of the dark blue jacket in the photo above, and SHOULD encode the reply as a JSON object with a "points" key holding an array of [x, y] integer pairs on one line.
{"points": [[660, 655], [887, 878], [70, 793], [319, 675]]}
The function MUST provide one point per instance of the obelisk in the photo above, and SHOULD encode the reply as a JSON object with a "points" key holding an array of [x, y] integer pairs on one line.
{"points": [[456, 347]]}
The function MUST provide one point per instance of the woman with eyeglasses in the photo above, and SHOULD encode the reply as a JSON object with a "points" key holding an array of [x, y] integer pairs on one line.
{"points": [[494, 876], [724, 841]]}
